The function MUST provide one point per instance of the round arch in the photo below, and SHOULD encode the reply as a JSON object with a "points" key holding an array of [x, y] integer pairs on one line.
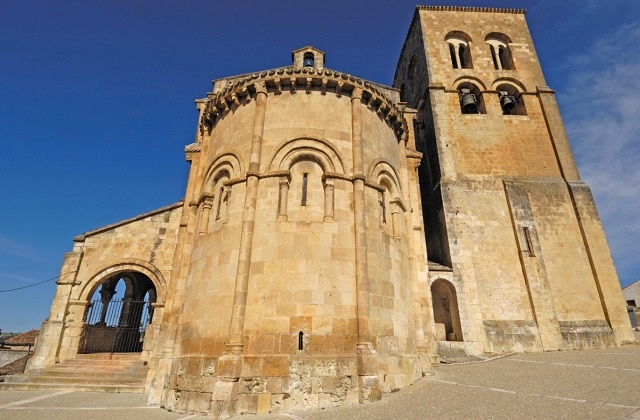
{"points": [[508, 81], [119, 325], [469, 80], [457, 35], [380, 169], [125, 266], [317, 150], [498, 36], [228, 163], [446, 314]]}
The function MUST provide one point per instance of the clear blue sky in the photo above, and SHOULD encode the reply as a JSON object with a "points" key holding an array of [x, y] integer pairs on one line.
{"points": [[97, 103]]}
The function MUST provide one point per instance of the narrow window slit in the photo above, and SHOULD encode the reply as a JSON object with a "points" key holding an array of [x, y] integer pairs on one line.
{"points": [[527, 237], [383, 204], [220, 198], [305, 177], [300, 340]]}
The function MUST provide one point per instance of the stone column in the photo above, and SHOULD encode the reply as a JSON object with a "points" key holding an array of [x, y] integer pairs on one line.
{"points": [[367, 362], [229, 367], [396, 230], [106, 294], [328, 199], [283, 196], [246, 239], [206, 214], [456, 55]]}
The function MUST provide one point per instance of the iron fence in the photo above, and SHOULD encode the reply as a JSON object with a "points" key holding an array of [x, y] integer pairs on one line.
{"points": [[115, 326]]}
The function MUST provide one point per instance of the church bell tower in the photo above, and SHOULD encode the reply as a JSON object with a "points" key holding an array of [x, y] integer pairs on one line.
{"points": [[512, 232]]}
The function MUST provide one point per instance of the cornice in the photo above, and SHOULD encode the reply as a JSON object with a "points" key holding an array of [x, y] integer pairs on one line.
{"points": [[302, 80], [164, 209], [193, 148], [470, 9]]}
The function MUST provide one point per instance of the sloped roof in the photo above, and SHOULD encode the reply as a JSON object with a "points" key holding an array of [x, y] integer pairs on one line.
{"points": [[631, 285], [24, 338]]}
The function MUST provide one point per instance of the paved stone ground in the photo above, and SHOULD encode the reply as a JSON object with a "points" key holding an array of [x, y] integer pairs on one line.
{"points": [[589, 384]]}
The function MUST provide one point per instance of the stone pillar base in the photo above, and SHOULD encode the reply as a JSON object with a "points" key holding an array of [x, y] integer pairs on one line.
{"points": [[368, 382]]}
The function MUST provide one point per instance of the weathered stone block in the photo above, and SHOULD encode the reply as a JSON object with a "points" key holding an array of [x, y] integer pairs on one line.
{"points": [[264, 403]]}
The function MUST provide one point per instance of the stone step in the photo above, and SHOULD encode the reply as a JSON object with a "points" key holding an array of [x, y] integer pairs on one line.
{"points": [[97, 367], [102, 373], [40, 379], [96, 375], [99, 362], [108, 356], [29, 386]]}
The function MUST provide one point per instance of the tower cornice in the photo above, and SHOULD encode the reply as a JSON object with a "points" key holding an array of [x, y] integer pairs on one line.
{"points": [[470, 9]]}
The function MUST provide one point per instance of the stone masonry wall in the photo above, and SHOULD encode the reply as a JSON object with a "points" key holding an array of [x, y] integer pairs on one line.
{"points": [[143, 244]]}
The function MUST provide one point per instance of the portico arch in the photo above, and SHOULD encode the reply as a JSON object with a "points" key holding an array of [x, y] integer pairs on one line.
{"points": [[120, 305], [124, 265]]}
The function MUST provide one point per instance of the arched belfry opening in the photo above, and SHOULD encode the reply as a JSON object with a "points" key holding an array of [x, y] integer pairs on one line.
{"points": [[308, 57], [118, 314], [445, 311]]}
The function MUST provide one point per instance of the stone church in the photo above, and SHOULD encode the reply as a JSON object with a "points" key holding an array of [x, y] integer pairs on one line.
{"points": [[338, 236]]}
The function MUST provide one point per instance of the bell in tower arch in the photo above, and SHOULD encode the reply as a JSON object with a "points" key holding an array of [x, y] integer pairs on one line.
{"points": [[507, 102], [468, 102]]}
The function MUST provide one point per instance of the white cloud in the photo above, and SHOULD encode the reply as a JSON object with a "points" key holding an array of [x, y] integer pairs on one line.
{"points": [[15, 249], [602, 115]]}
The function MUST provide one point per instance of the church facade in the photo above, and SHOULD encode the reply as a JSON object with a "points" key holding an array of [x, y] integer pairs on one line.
{"points": [[337, 236]]}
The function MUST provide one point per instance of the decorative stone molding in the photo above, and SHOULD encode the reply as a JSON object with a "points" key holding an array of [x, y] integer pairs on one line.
{"points": [[190, 152], [470, 9], [310, 79]]}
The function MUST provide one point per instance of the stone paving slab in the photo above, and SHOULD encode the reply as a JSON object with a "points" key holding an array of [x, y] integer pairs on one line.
{"points": [[74, 405], [7, 397], [590, 384]]}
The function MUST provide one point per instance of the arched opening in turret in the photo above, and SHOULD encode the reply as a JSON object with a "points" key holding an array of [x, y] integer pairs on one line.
{"points": [[308, 60]]}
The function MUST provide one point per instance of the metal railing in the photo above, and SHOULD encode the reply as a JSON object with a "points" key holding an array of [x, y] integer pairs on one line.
{"points": [[115, 326]]}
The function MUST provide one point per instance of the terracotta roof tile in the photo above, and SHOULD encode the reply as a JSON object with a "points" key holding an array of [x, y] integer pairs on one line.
{"points": [[28, 337]]}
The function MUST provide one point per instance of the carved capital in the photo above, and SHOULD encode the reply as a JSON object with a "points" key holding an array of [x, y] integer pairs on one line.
{"points": [[207, 202], [260, 87], [356, 93]]}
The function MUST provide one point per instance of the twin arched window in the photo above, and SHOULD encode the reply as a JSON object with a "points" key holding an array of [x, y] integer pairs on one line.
{"points": [[460, 51], [500, 52]]}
